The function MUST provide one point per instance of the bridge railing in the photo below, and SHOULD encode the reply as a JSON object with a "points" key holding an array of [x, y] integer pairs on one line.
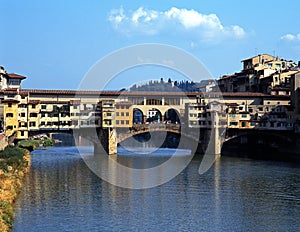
{"points": [[155, 126]]}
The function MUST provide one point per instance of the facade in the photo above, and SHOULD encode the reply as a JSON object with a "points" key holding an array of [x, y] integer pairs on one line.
{"points": [[25, 111], [295, 99], [263, 73], [124, 114]]}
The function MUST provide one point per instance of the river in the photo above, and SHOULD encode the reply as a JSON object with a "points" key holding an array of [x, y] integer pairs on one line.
{"points": [[61, 194]]}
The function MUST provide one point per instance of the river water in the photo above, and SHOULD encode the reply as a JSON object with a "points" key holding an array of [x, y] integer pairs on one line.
{"points": [[62, 194]]}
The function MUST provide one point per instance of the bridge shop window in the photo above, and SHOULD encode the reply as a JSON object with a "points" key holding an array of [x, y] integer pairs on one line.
{"points": [[107, 122], [33, 115], [9, 127], [74, 123], [9, 115], [32, 124]]}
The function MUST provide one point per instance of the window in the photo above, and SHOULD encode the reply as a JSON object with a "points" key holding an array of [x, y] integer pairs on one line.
{"points": [[117, 122], [32, 124], [9, 115], [43, 123], [33, 115], [117, 113], [127, 114], [22, 133], [122, 114], [172, 101], [9, 105], [14, 82], [9, 127], [107, 122], [153, 102], [33, 106], [127, 122], [23, 115], [44, 107], [108, 114]]}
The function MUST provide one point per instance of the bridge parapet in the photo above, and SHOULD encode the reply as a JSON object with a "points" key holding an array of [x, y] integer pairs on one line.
{"points": [[144, 128]]}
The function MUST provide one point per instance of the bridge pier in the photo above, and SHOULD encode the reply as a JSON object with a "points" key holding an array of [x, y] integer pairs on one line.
{"points": [[108, 141]]}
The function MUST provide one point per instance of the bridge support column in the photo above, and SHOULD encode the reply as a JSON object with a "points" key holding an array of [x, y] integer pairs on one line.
{"points": [[216, 134], [107, 143]]}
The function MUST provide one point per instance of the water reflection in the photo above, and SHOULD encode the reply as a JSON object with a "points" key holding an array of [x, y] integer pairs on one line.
{"points": [[62, 194]]}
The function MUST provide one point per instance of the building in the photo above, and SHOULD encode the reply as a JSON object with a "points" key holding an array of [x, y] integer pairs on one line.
{"points": [[124, 114], [262, 73]]}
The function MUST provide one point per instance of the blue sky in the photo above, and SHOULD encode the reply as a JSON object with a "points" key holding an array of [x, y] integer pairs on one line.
{"points": [[54, 43]]}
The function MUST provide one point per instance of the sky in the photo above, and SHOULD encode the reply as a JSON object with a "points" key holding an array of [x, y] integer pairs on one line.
{"points": [[55, 43]]}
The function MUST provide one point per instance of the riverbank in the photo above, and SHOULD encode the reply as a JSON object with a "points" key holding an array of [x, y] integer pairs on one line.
{"points": [[14, 164], [33, 144]]}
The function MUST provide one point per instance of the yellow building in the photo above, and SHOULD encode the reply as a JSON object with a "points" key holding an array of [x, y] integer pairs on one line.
{"points": [[124, 114], [10, 116]]}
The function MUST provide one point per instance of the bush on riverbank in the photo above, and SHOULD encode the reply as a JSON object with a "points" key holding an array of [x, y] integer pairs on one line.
{"points": [[34, 144], [14, 164]]}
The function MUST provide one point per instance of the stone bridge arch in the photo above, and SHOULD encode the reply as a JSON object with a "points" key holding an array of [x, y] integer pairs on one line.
{"points": [[257, 144]]}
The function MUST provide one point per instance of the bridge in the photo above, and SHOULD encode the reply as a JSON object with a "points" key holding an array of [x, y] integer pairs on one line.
{"points": [[115, 116]]}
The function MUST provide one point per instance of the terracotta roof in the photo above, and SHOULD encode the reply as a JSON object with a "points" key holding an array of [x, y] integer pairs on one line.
{"points": [[16, 76], [142, 93]]}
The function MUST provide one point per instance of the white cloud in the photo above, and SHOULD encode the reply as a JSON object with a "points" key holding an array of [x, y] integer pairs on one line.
{"points": [[203, 26], [291, 37]]}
